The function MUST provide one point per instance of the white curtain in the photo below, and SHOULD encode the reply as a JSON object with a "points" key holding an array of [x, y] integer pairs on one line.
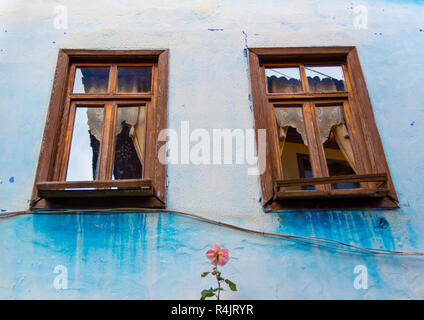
{"points": [[135, 117], [329, 119], [291, 117], [138, 129], [345, 145]]}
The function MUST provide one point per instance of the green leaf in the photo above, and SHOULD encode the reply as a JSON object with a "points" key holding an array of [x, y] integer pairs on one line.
{"points": [[204, 274], [207, 293], [220, 278], [232, 285]]}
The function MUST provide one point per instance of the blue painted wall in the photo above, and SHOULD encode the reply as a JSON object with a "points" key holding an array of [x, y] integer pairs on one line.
{"points": [[161, 255]]}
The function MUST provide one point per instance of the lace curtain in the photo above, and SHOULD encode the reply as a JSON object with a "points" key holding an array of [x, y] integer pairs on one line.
{"points": [[291, 117], [329, 118], [134, 117]]}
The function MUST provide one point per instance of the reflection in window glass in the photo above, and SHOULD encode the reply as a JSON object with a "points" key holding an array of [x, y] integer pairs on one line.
{"points": [[325, 79], [91, 80], [134, 79], [85, 145], [337, 144], [130, 142], [283, 80], [294, 151]]}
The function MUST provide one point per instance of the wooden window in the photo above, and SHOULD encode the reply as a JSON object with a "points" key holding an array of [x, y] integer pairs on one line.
{"points": [[100, 147], [323, 148]]}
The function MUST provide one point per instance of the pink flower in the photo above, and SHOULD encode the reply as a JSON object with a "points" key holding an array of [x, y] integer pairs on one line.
{"points": [[218, 256]]}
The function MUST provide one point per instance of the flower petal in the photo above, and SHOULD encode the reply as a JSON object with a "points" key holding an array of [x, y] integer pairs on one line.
{"points": [[224, 252], [224, 257], [216, 246], [223, 260], [210, 254]]}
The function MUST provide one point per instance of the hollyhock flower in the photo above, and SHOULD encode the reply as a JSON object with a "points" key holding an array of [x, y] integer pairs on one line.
{"points": [[218, 256]]}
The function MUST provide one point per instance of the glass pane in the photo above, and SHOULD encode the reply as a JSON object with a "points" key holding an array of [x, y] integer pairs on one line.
{"points": [[91, 80], [294, 151], [325, 79], [130, 142], [85, 145], [337, 144], [134, 79], [283, 80]]}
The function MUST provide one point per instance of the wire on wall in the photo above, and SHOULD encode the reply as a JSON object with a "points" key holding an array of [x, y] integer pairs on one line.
{"points": [[315, 241]]}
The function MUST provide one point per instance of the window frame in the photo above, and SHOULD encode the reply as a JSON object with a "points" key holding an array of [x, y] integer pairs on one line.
{"points": [[49, 185], [373, 169]]}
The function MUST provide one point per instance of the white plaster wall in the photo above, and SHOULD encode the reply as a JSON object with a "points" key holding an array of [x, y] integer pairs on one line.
{"points": [[209, 83], [209, 87]]}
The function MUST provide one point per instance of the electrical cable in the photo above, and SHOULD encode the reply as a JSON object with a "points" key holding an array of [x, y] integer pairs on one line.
{"points": [[321, 73], [288, 77], [317, 241]]}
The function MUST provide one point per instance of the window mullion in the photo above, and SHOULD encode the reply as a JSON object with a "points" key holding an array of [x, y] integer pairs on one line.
{"points": [[316, 149], [112, 79], [304, 78], [105, 166]]}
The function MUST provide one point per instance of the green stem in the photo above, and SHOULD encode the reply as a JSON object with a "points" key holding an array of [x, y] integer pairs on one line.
{"points": [[219, 283]]}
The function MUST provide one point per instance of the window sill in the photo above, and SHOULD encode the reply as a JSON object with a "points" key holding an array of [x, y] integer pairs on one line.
{"points": [[133, 193], [97, 189], [337, 193], [373, 193], [379, 190]]}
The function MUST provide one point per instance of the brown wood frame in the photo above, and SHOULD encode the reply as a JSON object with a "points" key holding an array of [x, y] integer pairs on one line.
{"points": [[376, 186], [50, 188]]}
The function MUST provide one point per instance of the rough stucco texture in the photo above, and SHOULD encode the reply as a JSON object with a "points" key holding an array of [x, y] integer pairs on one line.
{"points": [[160, 255]]}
